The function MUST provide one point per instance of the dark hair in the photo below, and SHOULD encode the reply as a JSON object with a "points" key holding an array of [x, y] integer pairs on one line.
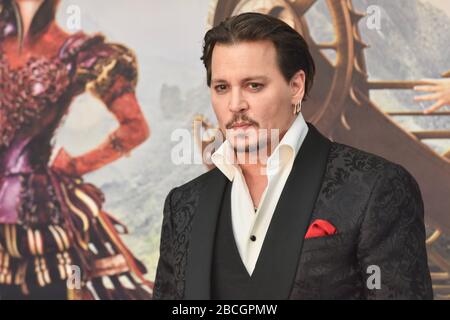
{"points": [[292, 50], [10, 14]]}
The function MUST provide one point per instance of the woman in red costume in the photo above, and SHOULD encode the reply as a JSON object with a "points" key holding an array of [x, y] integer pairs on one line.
{"points": [[51, 222]]}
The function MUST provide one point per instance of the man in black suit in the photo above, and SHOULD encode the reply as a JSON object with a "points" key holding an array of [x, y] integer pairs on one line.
{"points": [[314, 220]]}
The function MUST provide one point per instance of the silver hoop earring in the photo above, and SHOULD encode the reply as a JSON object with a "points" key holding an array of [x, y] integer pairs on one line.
{"points": [[297, 107]]}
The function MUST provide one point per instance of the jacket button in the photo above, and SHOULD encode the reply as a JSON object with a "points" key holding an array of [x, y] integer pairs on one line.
{"points": [[253, 238]]}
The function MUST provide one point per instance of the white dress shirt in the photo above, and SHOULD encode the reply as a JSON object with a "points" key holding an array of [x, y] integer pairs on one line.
{"points": [[250, 227]]}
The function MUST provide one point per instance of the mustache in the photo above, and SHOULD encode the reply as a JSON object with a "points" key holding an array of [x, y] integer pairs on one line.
{"points": [[241, 118]]}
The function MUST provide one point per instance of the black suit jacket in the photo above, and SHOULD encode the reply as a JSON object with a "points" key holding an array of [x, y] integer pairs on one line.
{"points": [[375, 205]]}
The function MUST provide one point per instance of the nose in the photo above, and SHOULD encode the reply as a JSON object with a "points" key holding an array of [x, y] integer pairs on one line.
{"points": [[237, 101]]}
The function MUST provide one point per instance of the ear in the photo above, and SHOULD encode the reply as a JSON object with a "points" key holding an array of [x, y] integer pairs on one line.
{"points": [[297, 85]]}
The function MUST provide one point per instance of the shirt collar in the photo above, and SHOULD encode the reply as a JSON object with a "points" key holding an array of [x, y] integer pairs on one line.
{"points": [[287, 149]]}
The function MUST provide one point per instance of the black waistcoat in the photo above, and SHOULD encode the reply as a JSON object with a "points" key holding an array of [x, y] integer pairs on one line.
{"points": [[229, 277]]}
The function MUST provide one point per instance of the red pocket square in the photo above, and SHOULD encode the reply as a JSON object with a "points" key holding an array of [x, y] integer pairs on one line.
{"points": [[320, 228]]}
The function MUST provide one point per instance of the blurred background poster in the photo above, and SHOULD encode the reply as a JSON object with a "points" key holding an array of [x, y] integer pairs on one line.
{"points": [[370, 54]]}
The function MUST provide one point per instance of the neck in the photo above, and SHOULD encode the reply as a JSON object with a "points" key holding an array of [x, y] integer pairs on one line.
{"points": [[253, 170], [252, 164], [256, 179]]}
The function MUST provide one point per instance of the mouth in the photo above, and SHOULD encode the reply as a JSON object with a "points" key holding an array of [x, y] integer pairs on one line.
{"points": [[241, 125]]}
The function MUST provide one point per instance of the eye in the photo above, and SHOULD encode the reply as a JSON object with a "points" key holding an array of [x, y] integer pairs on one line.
{"points": [[220, 88], [254, 86]]}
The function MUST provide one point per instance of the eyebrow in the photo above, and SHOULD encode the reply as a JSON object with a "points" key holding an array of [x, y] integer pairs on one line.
{"points": [[252, 78]]}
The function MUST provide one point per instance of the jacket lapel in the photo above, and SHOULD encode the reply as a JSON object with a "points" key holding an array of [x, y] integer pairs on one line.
{"points": [[277, 264], [201, 244]]}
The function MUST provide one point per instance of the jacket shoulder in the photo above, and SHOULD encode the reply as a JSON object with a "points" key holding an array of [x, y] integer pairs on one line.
{"points": [[353, 179], [200, 180], [190, 191], [353, 160], [352, 175]]}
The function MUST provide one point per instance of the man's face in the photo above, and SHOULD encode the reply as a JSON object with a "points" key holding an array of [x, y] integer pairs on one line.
{"points": [[250, 94]]}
